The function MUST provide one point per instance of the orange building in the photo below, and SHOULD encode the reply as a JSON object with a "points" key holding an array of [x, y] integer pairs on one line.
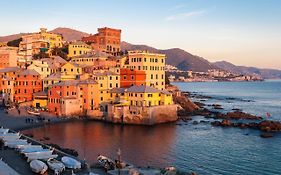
{"points": [[130, 77], [27, 82], [8, 57], [106, 40], [73, 97]]}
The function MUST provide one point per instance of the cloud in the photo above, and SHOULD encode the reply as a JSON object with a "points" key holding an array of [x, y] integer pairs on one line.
{"points": [[181, 16], [177, 7]]}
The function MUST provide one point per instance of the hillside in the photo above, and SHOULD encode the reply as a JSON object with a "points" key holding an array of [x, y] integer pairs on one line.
{"points": [[176, 57], [67, 33], [265, 73]]}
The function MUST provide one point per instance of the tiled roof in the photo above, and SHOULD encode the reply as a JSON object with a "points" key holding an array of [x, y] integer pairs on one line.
{"points": [[67, 83], [94, 54], [58, 59], [53, 76], [10, 69], [141, 89], [28, 72], [42, 93], [88, 81], [79, 43], [105, 73], [118, 90]]}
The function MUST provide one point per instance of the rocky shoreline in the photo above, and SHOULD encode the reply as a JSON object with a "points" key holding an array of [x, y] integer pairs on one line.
{"points": [[236, 118]]}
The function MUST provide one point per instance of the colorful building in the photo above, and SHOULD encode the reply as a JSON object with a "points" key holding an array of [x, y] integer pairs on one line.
{"points": [[8, 57], [77, 48], [27, 82], [36, 42], [44, 67], [106, 40], [106, 81], [40, 99], [73, 97], [51, 79], [131, 77], [71, 71], [153, 65], [7, 81]]}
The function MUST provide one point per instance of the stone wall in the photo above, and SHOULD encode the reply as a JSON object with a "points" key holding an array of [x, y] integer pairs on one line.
{"points": [[143, 116]]}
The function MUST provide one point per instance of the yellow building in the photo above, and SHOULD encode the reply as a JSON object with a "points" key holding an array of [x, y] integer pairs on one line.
{"points": [[153, 65], [51, 79], [44, 67], [77, 48], [34, 43], [90, 58], [141, 96], [40, 99], [71, 71], [106, 81]]}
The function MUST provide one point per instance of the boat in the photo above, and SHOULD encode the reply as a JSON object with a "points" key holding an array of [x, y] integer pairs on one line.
{"points": [[55, 165], [4, 130], [33, 112], [22, 147], [14, 144], [70, 162], [9, 139], [31, 149], [38, 166], [41, 157], [39, 153], [9, 134], [106, 162]]}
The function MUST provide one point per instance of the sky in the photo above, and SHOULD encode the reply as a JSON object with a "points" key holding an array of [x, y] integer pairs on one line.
{"points": [[244, 32]]}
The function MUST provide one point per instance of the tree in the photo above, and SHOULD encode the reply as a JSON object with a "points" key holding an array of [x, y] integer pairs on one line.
{"points": [[14, 43], [40, 55], [167, 81], [60, 51]]}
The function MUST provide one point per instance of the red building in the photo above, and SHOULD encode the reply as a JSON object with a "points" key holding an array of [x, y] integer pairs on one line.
{"points": [[106, 40], [130, 77], [27, 82]]}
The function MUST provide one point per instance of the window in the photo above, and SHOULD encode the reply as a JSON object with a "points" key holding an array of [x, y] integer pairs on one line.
{"points": [[125, 77], [151, 76], [132, 77]]}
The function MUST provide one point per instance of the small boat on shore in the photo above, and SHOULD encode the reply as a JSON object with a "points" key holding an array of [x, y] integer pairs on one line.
{"points": [[70, 162], [55, 165], [31, 149], [33, 112], [106, 162], [39, 153], [9, 134], [38, 166], [21, 147], [14, 144], [3, 130], [41, 157]]}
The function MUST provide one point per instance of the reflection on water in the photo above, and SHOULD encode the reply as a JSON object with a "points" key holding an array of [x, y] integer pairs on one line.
{"points": [[139, 144]]}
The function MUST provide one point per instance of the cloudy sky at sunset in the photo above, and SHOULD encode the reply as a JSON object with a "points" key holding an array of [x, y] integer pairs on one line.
{"points": [[244, 32]]}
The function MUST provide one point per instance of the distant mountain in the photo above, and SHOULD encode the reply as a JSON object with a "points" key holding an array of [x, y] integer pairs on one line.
{"points": [[11, 37], [67, 33], [264, 73], [176, 57]]}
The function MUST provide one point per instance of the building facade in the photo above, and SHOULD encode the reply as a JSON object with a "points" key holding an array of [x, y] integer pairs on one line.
{"points": [[131, 77], [106, 40], [153, 64], [8, 57], [77, 48], [27, 82]]}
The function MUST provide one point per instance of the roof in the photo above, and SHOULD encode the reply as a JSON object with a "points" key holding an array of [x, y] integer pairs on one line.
{"points": [[88, 81], [118, 90], [143, 89], [10, 69], [67, 83], [58, 59], [106, 73], [28, 72], [42, 93], [53, 76]]}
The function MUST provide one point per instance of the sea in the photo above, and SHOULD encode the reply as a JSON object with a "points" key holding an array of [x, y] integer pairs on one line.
{"points": [[200, 148]]}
